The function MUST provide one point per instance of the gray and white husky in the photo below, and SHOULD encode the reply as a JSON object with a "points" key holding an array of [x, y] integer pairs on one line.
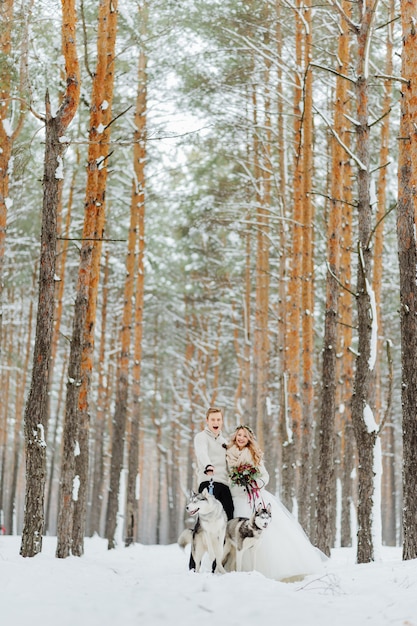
{"points": [[209, 531], [243, 533]]}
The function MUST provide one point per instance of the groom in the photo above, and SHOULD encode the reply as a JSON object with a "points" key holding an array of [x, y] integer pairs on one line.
{"points": [[210, 451]]}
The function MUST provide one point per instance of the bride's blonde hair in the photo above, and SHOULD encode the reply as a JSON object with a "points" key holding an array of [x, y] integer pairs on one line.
{"points": [[252, 444]]}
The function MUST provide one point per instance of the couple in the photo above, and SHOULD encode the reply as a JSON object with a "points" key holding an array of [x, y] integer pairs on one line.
{"points": [[284, 551]]}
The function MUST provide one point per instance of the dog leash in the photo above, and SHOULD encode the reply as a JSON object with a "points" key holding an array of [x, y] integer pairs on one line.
{"points": [[254, 494]]}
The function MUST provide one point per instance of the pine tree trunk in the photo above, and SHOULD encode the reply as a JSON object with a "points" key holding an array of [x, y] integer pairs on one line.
{"points": [[388, 510], [364, 434], [345, 370], [307, 293], [75, 436], [325, 471], [138, 223], [407, 252], [82, 460], [36, 407], [6, 20], [8, 137], [55, 451], [293, 348], [100, 424]]}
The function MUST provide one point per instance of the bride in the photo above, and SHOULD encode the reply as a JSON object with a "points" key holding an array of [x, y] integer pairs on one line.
{"points": [[284, 551]]}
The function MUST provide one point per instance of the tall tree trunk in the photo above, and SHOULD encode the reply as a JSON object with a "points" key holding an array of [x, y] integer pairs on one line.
{"points": [[307, 292], [283, 246], [8, 134], [100, 423], [6, 21], [293, 348], [75, 435], [345, 370], [325, 470], [388, 460], [36, 407], [261, 330], [362, 418], [138, 211], [407, 252], [55, 455], [82, 460]]}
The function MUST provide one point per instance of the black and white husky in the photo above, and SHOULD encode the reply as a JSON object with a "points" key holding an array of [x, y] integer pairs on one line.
{"points": [[209, 531], [243, 533]]}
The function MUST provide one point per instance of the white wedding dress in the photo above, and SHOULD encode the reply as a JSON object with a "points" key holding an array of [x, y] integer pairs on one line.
{"points": [[284, 551]]}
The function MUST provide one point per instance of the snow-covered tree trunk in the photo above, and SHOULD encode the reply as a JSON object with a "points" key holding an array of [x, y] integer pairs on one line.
{"points": [[105, 106], [36, 407], [138, 223], [293, 309], [261, 344], [407, 252], [9, 127], [76, 425], [307, 289], [326, 425], [6, 17], [364, 426], [101, 414]]}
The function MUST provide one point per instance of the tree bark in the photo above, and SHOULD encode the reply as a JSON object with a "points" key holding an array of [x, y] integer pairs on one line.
{"points": [[307, 290], [100, 417], [364, 434], [290, 483], [75, 434], [325, 471], [36, 407], [407, 253], [82, 460], [138, 221], [8, 135]]}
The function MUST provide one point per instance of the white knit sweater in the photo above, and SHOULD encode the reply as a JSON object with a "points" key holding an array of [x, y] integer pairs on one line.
{"points": [[210, 450]]}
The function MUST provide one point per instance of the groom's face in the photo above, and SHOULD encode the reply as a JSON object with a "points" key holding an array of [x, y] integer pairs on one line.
{"points": [[215, 422]]}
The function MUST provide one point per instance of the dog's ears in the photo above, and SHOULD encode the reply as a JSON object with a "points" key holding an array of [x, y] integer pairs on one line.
{"points": [[205, 492], [262, 507]]}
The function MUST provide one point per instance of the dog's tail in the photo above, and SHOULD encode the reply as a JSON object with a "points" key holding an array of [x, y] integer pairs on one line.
{"points": [[185, 538]]}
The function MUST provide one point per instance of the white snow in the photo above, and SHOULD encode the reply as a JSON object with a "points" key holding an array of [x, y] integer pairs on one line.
{"points": [[151, 585], [59, 172], [75, 488], [7, 128], [41, 435], [374, 328], [369, 419]]}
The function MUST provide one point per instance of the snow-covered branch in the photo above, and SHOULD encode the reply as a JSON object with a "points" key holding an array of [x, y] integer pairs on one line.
{"points": [[358, 162]]}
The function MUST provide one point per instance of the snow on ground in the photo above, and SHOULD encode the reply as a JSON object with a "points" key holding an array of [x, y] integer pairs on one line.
{"points": [[151, 585]]}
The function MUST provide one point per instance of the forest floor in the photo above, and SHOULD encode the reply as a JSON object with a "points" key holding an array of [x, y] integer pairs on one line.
{"points": [[151, 585]]}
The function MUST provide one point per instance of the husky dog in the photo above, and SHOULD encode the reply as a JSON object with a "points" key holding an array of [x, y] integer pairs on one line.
{"points": [[242, 533], [209, 531]]}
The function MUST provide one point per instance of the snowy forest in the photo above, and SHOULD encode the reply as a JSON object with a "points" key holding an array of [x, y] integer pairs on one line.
{"points": [[207, 203]]}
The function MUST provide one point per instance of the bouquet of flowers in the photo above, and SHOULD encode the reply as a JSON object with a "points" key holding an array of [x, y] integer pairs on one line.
{"points": [[244, 475]]}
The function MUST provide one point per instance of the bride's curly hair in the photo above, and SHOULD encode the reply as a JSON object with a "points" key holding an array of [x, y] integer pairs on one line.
{"points": [[252, 444]]}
